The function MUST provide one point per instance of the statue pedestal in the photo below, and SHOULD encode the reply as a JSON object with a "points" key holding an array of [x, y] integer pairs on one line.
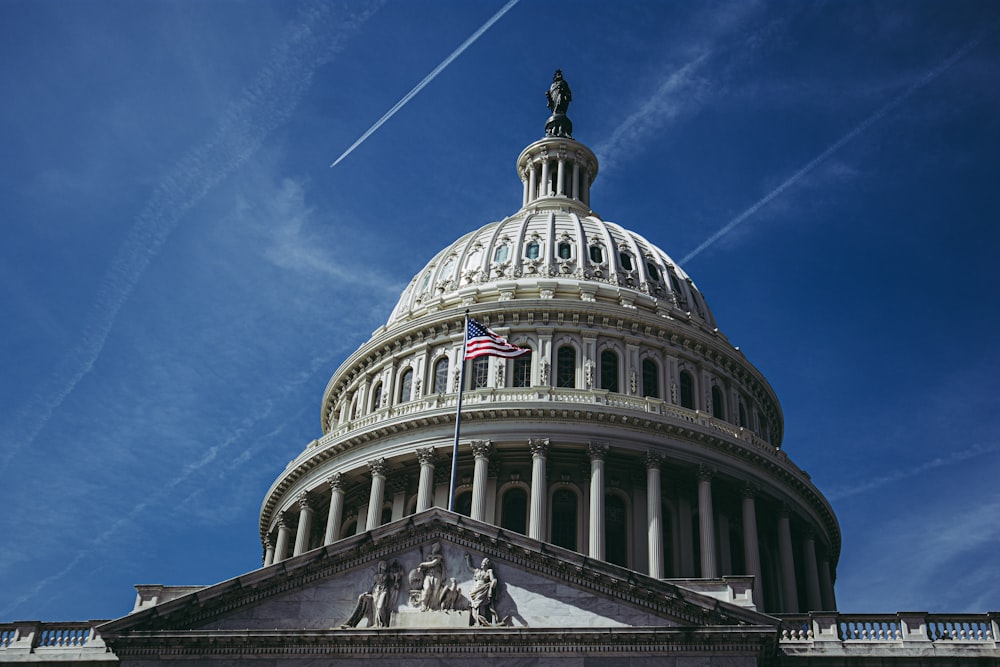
{"points": [[408, 617], [559, 125]]}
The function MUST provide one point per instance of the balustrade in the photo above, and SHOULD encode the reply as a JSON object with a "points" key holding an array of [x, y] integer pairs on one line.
{"points": [[44, 637], [892, 631]]}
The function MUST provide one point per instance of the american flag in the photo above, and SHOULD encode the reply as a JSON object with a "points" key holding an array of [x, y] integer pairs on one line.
{"points": [[481, 341]]}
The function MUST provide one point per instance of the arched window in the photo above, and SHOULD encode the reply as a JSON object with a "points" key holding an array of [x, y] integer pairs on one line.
{"points": [[565, 250], [566, 367], [687, 390], [564, 527], [654, 273], [596, 254], [616, 530], [514, 510], [609, 370], [718, 405], [531, 250], [386, 516], [480, 373], [521, 376], [441, 375], [406, 386], [354, 407], [463, 503], [743, 414], [765, 431], [377, 397], [650, 379], [349, 528]]}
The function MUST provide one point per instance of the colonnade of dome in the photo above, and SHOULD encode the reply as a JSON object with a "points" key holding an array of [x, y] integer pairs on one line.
{"points": [[634, 432]]}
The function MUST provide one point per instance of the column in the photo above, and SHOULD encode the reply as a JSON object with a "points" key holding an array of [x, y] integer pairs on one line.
{"points": [[305, 525], [751, 545], [524, 194], [532, 182], [539, 491], [481, 449], [706, 524], [268, 552], [543, 186], [336, 515], [654, 514], [377, 496], [284, 535], [425, 487], [561, 178], [597, 453], [811, 573], [826, 584], [576, 180], [790, 595]]}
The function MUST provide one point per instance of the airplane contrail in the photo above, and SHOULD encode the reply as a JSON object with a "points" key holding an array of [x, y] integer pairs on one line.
{"points": [[427, 79], [835, 146]]}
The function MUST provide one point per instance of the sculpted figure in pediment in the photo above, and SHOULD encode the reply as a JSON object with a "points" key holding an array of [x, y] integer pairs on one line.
{"points": [[378, 603], [483, 595], [425, 580]]}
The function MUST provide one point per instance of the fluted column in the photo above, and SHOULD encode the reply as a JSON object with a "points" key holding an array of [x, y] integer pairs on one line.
{"points": [[576, 180], [751, 545], [481, 449], [268, 552], [377, 497], [532, 182], [561, 178], [284, 536], [790, 595], [706, 524], [654, 514], [305, 525], [425, 487], [597, 453], [536, 517], [336, 515], [543, 186], [811, 573]]}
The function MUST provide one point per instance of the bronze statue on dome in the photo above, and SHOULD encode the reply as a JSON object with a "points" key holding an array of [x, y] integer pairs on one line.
{"points": [[558, 97]]}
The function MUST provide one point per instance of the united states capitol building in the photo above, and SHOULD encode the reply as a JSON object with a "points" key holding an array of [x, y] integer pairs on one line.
{"points": [[621, 494]]}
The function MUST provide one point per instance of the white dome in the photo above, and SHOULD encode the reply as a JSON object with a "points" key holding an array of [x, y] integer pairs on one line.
{"points": [[554, 247]]}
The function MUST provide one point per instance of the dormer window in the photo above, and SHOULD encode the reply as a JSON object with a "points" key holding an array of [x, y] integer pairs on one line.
{"points": [[531, 251], [596, 254], [501, 254], [565, 250], [654, 273], [626, 261]]}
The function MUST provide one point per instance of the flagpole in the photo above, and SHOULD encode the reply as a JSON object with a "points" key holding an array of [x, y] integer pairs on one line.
{"points": [[458, 414]]}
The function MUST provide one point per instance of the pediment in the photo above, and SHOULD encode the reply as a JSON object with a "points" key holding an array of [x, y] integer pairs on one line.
{"points": [[376, 580]]}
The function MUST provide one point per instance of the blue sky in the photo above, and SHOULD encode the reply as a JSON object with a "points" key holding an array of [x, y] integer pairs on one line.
{"points": [[181, 271]]}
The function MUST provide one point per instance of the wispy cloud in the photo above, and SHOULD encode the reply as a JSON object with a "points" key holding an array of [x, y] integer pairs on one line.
{"points": [[319, 32], [857, 130], [426, 80], [875, 483]]}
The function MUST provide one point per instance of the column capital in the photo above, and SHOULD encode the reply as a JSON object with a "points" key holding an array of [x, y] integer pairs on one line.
{"points": [[539, 446], [303, 500], [336, 481], [482, 448], [268, 544], [426, 455], [705, 473], [378, 467], [280, 523], [654, 460], [749, 491], [597, 451]]}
